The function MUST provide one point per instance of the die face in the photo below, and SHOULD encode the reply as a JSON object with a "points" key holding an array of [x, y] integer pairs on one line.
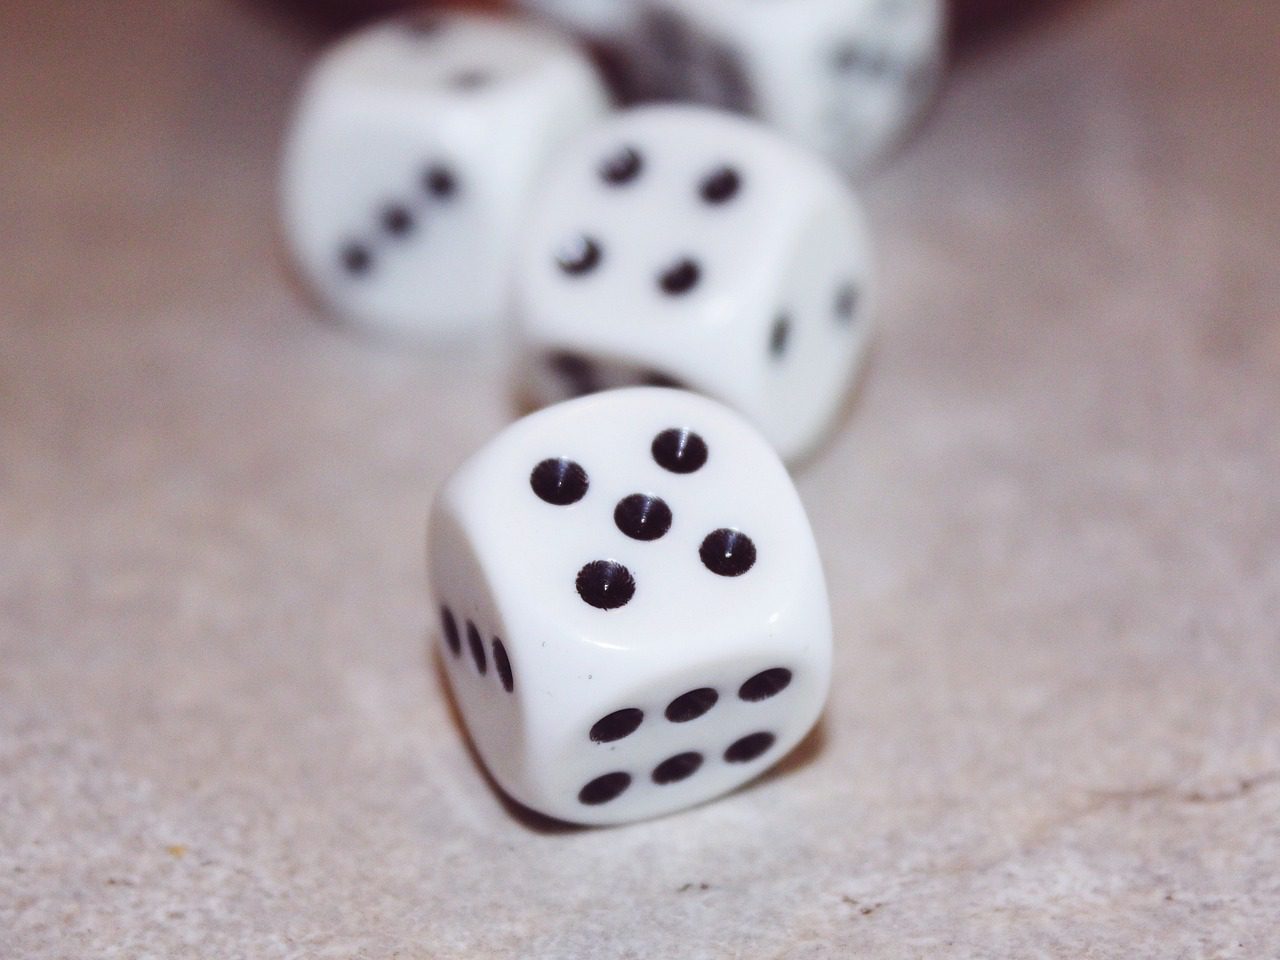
{"points": [[887, 71], [699, 731], [410, 161], [662, 251], [821, 328], [846, 77], [483, 666], [445, 56], [637, 545]]}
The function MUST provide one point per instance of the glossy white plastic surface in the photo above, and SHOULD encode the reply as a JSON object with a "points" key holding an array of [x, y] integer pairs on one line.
{"points": [[780, 252], [483, 100], [506, 561]]}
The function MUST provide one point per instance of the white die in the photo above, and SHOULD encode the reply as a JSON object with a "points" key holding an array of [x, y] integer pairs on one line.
{"points": [[848, 77], [634, 615], [682, 245], [410, 161]]}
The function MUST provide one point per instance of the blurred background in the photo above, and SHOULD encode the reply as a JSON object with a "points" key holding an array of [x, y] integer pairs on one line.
{"points": [[1051, 527]]}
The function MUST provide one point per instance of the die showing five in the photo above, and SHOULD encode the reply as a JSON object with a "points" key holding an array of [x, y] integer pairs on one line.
{"points": [[634, 617]]}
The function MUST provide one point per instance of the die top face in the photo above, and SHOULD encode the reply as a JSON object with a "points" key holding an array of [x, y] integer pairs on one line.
{"points": [[666, 231], [456, 56], [635, 522]]}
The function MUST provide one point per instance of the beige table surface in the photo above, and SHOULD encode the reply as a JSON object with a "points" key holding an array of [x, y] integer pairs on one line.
{"points": [[1052, 528]]}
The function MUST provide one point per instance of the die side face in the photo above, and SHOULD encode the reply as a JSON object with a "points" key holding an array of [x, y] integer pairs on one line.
{"points": [[887, 68], [624, 584], [398, 203], [485, 674], [846, 77], [820, 332], [661, 252]]}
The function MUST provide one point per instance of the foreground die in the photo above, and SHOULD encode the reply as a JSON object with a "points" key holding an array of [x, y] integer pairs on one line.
{"points": [[682, 245], [633, 613], [411, 159], [848, 77]]}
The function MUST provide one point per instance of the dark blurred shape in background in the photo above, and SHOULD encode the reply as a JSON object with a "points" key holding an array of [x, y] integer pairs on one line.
{"points": [[971, 16]]}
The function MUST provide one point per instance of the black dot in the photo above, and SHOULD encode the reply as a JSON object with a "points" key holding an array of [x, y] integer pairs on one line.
{"points": [[603, 789], [579, 256], [721, 185], [356, 259], [749, 747], [642, 517], [727, 553], [477, 647], [681, 277], [397, 220], [469, 80], [559, 482], [677, 768], [502, 663], [606, 584], [451, 636], [846, 303], [622, 168], [439, 181], [691, 705], [765, 684], [680, 451], [779, 336], [577, 372], [619, 724]]}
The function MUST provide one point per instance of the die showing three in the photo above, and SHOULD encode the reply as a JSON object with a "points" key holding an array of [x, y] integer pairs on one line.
{"points": [[413, 150]]}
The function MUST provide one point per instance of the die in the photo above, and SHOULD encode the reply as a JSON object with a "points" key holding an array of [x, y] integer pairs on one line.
{"points": [[848, 77], [678, 245], [633, 612], [412, 154]]}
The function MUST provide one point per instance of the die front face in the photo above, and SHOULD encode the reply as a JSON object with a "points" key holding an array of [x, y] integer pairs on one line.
{"points": [[411, 158], [647, 565], [678, 245], [845, 76]]}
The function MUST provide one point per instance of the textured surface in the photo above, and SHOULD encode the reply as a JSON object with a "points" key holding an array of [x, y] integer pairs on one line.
{"points": [[1052, 527]]}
